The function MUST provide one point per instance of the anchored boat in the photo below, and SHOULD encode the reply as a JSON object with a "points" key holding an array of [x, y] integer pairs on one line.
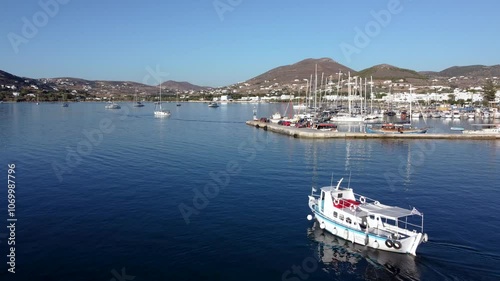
{"points": [[390, 128], [365, 221]]}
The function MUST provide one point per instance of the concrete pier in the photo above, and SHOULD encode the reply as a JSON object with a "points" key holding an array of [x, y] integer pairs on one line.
{"points": [[315, 134]]}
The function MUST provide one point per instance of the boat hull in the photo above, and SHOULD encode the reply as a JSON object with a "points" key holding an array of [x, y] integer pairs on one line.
{"points": [[408, 245], [404, 131]]}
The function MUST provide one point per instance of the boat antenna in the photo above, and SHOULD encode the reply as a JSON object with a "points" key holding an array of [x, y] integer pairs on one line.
{"points": [[331, 181], [349, 182]]}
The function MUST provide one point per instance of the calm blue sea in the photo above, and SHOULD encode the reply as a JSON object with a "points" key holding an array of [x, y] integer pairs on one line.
{"points": [[121, 195]]}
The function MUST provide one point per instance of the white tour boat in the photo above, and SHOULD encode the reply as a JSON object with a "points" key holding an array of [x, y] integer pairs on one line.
{"points": [[367, 222]]}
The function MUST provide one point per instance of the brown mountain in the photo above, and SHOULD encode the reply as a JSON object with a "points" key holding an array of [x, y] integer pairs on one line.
{"points": [[301, 70], [91, 86], [471, 71], [182, 86], [390, 72]]}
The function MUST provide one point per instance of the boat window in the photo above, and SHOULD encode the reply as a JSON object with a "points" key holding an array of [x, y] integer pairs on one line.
{"points": [[389, 221], [322, 196], [335, 214], [339, 195], [348, 220], [341, 217], [372, 217]]}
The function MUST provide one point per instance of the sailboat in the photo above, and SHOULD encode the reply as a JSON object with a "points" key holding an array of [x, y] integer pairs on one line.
{"points": [[65, 104], [37, 101], [178, 104], [349, 116], [159, 111], [137, 103], [112, 105], [397, 128]]}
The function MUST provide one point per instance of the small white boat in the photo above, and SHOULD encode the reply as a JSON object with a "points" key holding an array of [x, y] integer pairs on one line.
{"points": [[416, 115], [276, 117], [300, 106], [159, 111], [112, 105], [346, 117], [367, 222], [213, 104], [435, 114], [485, 129]]}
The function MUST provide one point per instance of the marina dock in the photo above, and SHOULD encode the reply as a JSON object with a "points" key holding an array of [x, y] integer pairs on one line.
{"points": [[308, 133]]}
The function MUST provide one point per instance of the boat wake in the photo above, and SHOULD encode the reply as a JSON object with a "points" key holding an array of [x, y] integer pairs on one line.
{"points": [[438, 262]]}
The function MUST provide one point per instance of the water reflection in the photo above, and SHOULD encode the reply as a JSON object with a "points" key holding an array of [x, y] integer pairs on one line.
{"points": [[341, 257]]}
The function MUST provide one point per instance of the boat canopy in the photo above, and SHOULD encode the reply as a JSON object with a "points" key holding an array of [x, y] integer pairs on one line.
{"points": [[388, 211]]}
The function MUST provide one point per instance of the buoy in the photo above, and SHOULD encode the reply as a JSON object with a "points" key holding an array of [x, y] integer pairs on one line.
{"points": [[334, 230], [353, 208], [336, 201], [362, 199], [309, 217], [425, 238], [375, 244], [322, 225]]}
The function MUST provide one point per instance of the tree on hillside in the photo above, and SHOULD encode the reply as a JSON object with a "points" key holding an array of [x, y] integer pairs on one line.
{"points": [[489, 92], [451, 99]]}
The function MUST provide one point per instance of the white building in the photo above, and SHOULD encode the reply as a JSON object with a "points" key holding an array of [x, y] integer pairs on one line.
{"points": [[226, 98]]}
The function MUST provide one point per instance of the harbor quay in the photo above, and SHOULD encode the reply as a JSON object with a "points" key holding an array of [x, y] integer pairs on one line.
{"points": [[308, 133]]}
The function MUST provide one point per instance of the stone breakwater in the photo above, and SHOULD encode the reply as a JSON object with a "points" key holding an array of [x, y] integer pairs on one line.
{"points": [[308, 133]]}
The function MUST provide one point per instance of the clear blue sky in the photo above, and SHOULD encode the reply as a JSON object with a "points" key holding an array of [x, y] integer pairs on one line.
{"points": [[120, 40]]}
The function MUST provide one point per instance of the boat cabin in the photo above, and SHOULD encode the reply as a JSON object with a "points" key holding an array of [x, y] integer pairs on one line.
{"points": [[355, 211]]}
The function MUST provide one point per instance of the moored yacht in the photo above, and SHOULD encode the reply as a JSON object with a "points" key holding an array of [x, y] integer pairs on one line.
{"points": [[112, 105]]}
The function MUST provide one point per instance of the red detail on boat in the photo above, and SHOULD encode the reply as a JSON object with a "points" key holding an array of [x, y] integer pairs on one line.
{"points": [[345, 203]]}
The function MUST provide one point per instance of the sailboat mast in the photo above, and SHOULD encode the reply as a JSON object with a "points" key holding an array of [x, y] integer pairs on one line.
{"points": [[315, 87], [410, 101], [366, 96], [371, 94], [349, 92], [320, 95]]}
